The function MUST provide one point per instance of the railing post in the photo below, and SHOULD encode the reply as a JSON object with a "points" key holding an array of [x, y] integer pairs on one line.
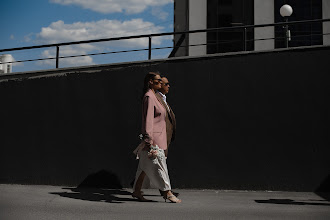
{"points": [[244, 39], [57, 55], [286, 42], [149, 54]]}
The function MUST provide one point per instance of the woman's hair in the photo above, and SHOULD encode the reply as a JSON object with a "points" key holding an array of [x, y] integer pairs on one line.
{"points": [[147, 78]]}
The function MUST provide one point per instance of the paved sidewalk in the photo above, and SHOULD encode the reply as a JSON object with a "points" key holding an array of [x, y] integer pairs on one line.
{"points": [[59, 202]]}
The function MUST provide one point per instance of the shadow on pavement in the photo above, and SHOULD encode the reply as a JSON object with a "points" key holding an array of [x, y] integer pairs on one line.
{"points": [[97, 195], [102, 186], [292, 202]]}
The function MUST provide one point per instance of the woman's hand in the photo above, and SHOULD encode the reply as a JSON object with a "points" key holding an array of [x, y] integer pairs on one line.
{"points": [[152, 154]]}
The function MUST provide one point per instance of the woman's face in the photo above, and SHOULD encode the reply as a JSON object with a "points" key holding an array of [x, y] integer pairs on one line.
{"points": [[156, 83]]}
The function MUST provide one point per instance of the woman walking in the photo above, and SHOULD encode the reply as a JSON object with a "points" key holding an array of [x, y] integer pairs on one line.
{"points": [[151, 151]]}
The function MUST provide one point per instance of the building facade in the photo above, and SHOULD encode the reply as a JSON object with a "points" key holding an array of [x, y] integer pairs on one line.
{"points": [[205, 14], [5, 67]]}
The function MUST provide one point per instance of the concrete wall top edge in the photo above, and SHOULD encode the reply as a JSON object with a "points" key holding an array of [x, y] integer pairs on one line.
{"points": [[98, 68]]}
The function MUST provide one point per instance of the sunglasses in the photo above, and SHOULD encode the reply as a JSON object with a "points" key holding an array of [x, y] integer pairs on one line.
{"points": [[166, 84], [158, 81]]}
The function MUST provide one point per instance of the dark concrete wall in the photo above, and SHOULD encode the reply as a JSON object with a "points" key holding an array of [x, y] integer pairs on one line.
{"points": [[244, 121]]}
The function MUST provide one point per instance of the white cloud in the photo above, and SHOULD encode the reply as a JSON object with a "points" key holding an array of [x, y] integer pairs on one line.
{"points": [[112, 6], [67, 51], [159, 13], [27, 38], [12, 37], [59, 32]]}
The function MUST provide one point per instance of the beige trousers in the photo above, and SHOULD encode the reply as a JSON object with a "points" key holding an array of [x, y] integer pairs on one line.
{"points": [[156, 171]]}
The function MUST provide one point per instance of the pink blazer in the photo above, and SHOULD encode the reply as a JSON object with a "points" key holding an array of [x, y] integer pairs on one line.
{"points": [[153, 120]]}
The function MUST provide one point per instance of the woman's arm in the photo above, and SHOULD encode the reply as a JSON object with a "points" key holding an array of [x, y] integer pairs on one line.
{"points": [[148, 117]]}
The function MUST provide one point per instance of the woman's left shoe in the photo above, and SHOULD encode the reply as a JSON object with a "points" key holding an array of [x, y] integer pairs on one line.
{"points": [[140, 197]]}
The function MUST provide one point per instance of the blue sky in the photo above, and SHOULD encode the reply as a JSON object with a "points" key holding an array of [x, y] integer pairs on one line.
{"points": [[27, 23]]}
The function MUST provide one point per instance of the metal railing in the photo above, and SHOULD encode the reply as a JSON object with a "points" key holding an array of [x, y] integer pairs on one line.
{"points": [[174, 48]]}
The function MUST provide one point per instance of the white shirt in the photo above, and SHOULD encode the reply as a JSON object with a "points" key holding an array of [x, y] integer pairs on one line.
{"points": [[164, 98]]}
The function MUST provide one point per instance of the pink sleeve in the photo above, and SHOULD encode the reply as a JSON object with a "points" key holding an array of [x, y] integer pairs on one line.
{"points": [[148, 119]]}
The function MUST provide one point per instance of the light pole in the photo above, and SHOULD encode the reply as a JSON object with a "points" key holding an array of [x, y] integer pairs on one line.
{"points": [[286, 12]]}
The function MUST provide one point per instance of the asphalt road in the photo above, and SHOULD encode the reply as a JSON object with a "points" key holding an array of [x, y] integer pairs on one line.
{"points": [[59, 202]]}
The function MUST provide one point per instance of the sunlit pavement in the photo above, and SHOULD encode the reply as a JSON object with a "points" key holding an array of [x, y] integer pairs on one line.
{"points": [[60, 202]]}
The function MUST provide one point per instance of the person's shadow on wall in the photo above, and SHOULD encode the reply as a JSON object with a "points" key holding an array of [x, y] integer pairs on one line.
{"points": [[323, 190], [103, 186]]}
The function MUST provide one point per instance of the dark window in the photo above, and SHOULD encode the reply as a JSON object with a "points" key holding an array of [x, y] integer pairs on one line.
{"points": [[229, 13], [301, 34]]}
